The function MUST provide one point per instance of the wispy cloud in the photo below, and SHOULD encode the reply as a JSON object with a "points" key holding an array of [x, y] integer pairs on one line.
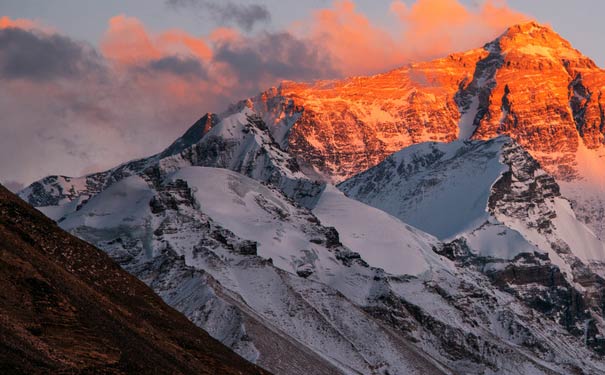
{"points": [[13, 186], [245, 16]]}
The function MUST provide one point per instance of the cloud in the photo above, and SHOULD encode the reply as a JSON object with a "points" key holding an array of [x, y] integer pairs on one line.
{"points": [[22, 23], [38, 56], [229, 64], [437, 27], [355, 44], [180, 66], [273, 56], [126, 41], [245, 16], [424, 30], [89, 110]]}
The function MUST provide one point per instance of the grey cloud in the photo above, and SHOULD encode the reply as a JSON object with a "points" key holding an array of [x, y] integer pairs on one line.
{"points": [[279, 55], [180, 66], [245, 16], [40, 57]]}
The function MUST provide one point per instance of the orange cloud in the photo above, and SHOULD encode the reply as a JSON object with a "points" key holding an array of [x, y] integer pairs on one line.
{"points": [[355, 44], [224, 34], [180, 43], [426, 29], [127, 42], [438, 27], [21, 23]]}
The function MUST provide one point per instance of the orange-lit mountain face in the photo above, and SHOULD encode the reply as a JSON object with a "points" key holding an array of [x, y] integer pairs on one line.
{"points": [[529, 83]]}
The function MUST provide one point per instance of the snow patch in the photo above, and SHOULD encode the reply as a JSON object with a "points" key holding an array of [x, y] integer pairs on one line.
{"points": [[381, 239]]}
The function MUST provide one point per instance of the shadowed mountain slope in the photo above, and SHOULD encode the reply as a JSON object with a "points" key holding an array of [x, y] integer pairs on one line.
{"points": [[66, 307]]}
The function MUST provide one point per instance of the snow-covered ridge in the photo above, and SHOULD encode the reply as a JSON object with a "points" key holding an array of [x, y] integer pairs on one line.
{"points": [[493, 201], [423, 182], [383, 240], [246, 139], [479, 184]]}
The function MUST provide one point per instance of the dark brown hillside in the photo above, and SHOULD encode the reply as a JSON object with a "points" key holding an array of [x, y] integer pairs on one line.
{"points": [[67, 308]]}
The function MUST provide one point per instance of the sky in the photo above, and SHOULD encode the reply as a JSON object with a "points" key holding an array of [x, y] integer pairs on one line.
{"points": [[88, 84]]}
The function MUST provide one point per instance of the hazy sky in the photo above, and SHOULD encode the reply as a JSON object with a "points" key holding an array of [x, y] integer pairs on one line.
{"points": [[88, 84]]}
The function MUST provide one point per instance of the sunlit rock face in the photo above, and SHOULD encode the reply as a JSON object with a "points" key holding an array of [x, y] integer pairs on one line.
{"points": [[351, 125], [529, 83]]}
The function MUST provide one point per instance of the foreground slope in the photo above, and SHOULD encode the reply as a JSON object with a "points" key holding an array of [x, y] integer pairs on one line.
{"points": [[67, 308]]}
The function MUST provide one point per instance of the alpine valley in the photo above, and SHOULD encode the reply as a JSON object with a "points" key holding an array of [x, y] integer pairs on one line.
{"points": [[446, 217]]}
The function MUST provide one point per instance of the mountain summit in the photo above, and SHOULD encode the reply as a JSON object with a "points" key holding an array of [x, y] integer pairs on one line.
{"points": [[523, 35]]}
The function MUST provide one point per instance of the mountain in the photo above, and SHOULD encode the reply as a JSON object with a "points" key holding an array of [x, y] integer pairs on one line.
{"points": [[68, 308], [453, 243], [521, 84], [529, 83]]}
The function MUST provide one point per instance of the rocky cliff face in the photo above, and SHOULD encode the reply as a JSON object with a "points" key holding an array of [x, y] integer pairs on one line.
{"points": [[351, 125]]}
